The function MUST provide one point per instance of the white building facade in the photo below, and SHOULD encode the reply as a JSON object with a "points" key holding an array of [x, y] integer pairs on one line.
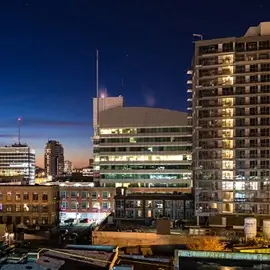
{"points": [[18, 161]]}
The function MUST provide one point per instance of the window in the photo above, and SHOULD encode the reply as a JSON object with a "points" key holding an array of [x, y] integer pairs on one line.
{"points": [[63, 194], [240, 90], [104, 205], [35, 208], [94, 195], [44, 221], [253, 68], [35, 196], [85, 195], [265, 110], [253, 100], [105, 195], [9, 196], [74, 205], [265, 67], [265, 121], [26, 220], [253, 89], [73, 194], [45, 196], [26, 208], [45, 209], [26, 196], [85, 205], [64, 205], [18, 208], [253, 111], [18, 196], [264, 45], [9, 208]]}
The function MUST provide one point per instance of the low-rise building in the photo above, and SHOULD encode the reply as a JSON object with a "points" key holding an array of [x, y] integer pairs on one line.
{"points": [[83, 200], [149, 206], [16, 161], [31, 205]]}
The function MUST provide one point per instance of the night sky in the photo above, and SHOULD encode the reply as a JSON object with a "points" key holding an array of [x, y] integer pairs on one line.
{"points": [[47, 59]]}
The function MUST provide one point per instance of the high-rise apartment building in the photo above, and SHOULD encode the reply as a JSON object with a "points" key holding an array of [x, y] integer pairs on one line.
{"points": [[17, 164], [143, 148], [231, 127], [54, 158]]}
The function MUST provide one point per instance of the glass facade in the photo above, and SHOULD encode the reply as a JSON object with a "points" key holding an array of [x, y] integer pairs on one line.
{"points": [[144, 157], [18, 161]]}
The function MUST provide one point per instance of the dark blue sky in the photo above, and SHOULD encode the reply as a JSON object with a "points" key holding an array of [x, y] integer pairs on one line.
{"points": [[47, 59]]}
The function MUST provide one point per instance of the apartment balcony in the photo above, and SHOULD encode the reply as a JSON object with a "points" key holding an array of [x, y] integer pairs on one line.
{"points": [[235, 201], [213, 74]]}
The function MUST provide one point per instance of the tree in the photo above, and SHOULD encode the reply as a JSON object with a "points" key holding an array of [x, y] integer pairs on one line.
{"points": [[207, 244]]}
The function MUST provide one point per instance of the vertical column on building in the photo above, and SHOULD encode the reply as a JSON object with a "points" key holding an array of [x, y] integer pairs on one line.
{"points": [[226, 186]]}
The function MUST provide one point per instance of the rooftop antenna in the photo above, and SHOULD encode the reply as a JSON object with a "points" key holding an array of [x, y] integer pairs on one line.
{"points": [[198, 36], [97, 75], [19, 130], [122, 84], [97, 91]]}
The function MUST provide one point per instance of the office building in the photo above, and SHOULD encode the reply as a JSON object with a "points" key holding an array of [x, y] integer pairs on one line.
{"points": [[230, 85], [54, 159], [17, 164], [148, 206], [68, 167], [30, 205], [101, 104], [143, 148]]}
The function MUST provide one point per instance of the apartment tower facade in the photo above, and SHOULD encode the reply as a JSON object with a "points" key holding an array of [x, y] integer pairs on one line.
{"points": [[230, 86], [54, 159]]}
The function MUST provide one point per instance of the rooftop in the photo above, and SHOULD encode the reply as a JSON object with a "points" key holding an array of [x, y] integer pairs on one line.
{"points": [[63, 259], [142, 117]]}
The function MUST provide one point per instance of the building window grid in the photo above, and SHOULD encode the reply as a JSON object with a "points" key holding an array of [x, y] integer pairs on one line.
{"points": [[251, 49]]}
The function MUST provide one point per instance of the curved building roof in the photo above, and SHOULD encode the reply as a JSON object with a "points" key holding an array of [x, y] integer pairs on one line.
{"points": [[141, 117]]}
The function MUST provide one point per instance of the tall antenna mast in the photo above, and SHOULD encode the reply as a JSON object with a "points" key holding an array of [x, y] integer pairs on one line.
{"points": [[19, 130], [97, 91], [97, 75]]}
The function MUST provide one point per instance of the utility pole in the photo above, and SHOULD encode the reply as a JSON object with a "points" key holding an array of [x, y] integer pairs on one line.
{"points": [[19, 130]]}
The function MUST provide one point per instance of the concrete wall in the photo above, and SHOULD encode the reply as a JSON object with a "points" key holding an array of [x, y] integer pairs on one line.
{"points": [[133, 239]]}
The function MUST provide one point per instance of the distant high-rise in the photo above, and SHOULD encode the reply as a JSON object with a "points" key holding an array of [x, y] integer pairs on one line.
{"points": [[68, 167], [54, 158], [17, 163]]}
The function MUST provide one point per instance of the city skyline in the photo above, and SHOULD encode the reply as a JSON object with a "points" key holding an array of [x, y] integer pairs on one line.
{"points": [[48, 62]]}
